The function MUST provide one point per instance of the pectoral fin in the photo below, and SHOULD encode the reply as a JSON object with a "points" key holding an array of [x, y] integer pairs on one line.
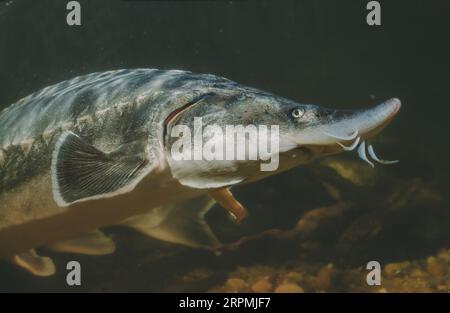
{"points": [[225, 198], [182, 223], [35, 264], [93, 243], [82, 172]]}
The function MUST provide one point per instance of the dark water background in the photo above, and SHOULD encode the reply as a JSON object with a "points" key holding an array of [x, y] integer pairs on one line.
{"points": [[318, 51]]}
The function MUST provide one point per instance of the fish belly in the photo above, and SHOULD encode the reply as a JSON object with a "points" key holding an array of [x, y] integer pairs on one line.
{"points": [[30, 218]]}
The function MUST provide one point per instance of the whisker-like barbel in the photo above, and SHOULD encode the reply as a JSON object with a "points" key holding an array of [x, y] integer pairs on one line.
{"points": [[374, 156], [351, 147], [362, 153]]}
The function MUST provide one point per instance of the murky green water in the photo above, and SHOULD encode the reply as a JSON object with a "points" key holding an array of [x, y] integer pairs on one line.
{"points": [[312, 51]]}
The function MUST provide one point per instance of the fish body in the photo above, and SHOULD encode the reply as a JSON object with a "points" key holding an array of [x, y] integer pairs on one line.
{"points": [[96, 151], [108, 110]]}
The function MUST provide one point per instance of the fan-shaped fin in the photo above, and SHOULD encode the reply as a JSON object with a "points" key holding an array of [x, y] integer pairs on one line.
{"points": [[81, 172], [35, 264], [225, 198], [183, 223]]}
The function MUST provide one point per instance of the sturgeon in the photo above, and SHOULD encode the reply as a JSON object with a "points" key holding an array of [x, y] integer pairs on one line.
{"points": [[94, 151]]}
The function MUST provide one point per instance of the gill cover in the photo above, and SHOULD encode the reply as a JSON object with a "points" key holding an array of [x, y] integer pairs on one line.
{"points": [[182, 149]]}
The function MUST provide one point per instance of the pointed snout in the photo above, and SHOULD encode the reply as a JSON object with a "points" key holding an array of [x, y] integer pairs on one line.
{"points": [[372, 121], [345, 126]]}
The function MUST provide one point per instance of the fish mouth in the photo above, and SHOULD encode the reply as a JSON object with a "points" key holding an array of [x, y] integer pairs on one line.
{"points": [[352, 132]]}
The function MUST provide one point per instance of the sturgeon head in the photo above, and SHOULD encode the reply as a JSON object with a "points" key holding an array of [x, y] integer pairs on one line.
{"points": [[322, 131], [303, 132]]}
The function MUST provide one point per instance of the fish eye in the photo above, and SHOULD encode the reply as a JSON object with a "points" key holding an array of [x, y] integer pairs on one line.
{"points": [[297, 113]]}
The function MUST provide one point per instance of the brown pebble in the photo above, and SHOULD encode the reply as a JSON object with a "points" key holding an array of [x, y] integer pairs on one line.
{"points": [[392, 270], [322, 281], [435, 268], [416, 273], [444, 255], [289, 288], [262, 285], [294, 277], [236, 285], [442, 288]]}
